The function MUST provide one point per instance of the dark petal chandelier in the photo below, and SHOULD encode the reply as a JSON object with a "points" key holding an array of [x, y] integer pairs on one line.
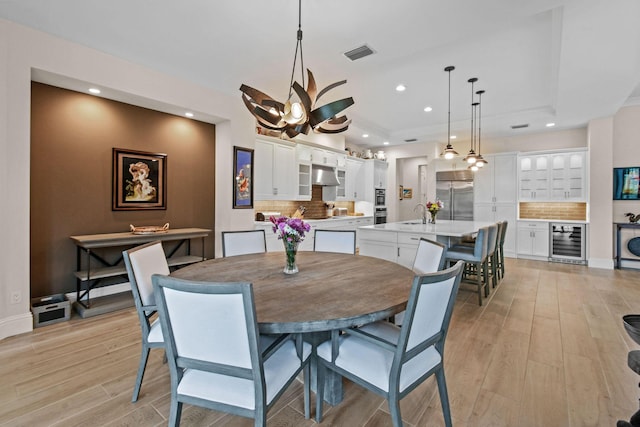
{"points": [[299, 113]]}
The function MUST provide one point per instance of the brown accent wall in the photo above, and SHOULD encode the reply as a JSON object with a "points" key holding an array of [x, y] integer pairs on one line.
{"points": [[72, 136], [553, 210]]}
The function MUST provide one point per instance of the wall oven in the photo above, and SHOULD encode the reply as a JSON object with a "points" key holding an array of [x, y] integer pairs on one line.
{"points": [[380, 216], [567, 243], [380, 197]]}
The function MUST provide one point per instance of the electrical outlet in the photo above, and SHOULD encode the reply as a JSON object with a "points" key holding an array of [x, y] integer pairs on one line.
{"points": [[16, 297]]}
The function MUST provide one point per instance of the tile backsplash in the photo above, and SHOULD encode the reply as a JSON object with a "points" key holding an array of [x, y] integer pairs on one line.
{"points": [[315, 208], [554, 210]]}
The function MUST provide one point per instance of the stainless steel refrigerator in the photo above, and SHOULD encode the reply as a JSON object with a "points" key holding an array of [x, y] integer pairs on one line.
{"points": [[455, 190]]}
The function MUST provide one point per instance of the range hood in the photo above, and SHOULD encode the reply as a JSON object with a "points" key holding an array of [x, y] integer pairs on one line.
{"points": [[324, 175]]}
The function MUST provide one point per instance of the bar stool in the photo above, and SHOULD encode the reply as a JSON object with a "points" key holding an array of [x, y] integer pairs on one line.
{"points": [[501, 237], [475, 257]]}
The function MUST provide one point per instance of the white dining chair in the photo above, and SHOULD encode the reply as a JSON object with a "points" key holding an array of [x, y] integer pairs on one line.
{"points": [[391, 361], [340, 241], [214, 351], [430, 257], [141, 263], [243, 242]]}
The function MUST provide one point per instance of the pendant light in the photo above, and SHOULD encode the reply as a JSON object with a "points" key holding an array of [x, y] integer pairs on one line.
{"points": [[471, 157], [449, 152], [298, 115], [480, 161]]}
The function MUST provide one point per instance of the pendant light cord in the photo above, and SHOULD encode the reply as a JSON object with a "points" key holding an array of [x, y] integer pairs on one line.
{"points": [[449, 69], [295, 56]]}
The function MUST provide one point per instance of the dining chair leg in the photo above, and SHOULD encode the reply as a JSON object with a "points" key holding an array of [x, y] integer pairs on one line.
{"points": [[444, 396], [144, 357], [394, 409], [175, 412], [494, 269]]}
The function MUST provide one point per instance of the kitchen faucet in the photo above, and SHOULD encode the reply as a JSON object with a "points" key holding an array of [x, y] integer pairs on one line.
{"points": [[424, 212]]}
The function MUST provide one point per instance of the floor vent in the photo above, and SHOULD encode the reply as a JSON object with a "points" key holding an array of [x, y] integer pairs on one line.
{"points": [[359, 52], [526, 125]]}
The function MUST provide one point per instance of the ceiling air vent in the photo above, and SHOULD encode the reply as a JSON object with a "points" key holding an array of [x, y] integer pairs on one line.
{"points": [[359, 52], [526, 125], [410, 140]]}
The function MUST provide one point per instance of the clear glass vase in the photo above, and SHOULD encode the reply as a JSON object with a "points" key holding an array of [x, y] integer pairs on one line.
{"points": [[290, 250], [433, 216]]}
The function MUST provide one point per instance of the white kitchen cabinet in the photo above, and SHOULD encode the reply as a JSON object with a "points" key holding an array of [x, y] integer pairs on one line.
{"points": [[341, 189], [568, 176], [304, 180], [274, 174], [324, 157], [534, 178], [533, 240], [303, 153], [496, 182], [380, 174], [451, 164], [407, 248], [354, 181], [553, 177]]}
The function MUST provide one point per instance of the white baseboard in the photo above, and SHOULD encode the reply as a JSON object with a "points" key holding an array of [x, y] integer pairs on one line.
{"points": [[16, 325], [604, 263], [104, 291], [630, 264]]}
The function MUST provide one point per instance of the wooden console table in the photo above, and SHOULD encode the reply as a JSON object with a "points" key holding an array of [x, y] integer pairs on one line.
{"points": [[619, 227], [90, 275]]}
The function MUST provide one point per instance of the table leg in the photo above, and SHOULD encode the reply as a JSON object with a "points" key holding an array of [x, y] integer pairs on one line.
{"points": [[333, 393]]}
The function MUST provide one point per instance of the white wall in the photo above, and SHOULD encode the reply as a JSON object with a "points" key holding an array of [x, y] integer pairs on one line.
{"points": [[552, 140], [600, 249], [407, 170], [23, 49]]}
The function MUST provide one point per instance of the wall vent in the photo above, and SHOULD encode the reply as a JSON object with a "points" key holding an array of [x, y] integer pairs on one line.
{"points": [[410, 140], [526, 125], [359, 52]]}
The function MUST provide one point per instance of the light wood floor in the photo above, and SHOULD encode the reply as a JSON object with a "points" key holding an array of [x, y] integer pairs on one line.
{"points": [[548, 349]]}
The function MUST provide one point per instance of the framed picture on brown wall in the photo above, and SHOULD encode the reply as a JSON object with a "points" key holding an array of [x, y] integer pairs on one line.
{"points": [[139, 180], [242, 178]]}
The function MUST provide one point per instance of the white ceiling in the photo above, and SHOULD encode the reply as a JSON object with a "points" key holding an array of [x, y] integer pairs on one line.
{"points": [[561, 61]]}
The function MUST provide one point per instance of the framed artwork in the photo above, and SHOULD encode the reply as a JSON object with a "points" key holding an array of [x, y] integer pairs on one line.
{"points": [[400, 192], [407, 193], [242, 178], [139, 180]]}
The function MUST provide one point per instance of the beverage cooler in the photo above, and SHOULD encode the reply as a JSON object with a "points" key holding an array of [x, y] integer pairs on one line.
{"points": [[567, 243]]}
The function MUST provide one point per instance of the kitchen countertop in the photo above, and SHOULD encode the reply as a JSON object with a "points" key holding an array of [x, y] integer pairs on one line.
{"points": [[440, 228], [564, 221], [330, 220]]}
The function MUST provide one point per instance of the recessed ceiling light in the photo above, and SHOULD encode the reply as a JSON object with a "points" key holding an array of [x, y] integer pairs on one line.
{"points": [[428, 109], [94, 90], [188, 114], [453, 137], [550, 125], [401, 88], [386, 143], [365, 135]]}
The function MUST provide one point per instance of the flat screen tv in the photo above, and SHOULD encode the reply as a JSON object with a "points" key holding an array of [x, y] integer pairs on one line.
{"points": [[626, 183]]}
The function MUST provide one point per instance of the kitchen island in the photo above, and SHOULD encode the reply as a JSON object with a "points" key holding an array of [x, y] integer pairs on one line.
{"points": [[398, 241], [345, 222]]}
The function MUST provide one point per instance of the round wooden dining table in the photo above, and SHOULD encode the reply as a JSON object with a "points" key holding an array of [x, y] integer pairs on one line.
{"points": [[330, 291]]}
